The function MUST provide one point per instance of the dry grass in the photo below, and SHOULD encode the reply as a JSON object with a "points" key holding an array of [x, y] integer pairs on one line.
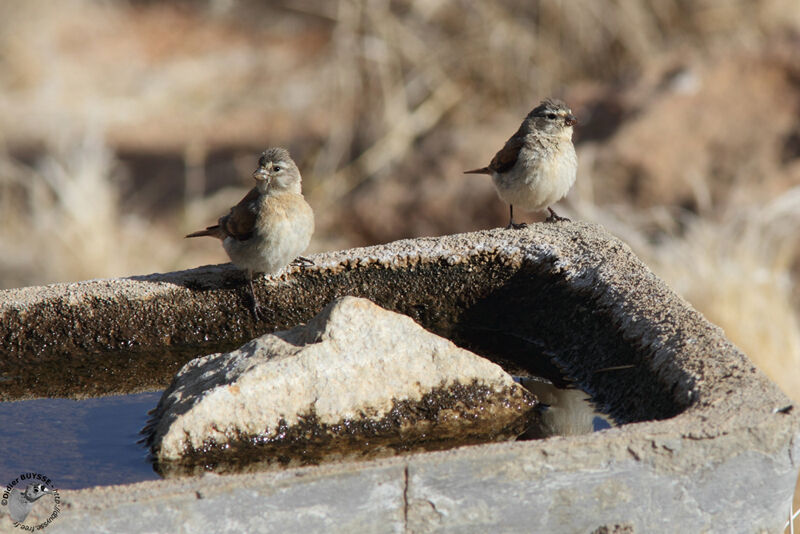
{"points": [[62, 216]]}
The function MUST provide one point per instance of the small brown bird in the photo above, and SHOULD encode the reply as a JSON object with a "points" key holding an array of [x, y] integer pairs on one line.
{"points": [[271, 225], [537, 165]]}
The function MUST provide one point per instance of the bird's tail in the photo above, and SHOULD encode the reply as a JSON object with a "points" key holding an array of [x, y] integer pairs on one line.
{"points": [[213, 231], [482, 170]]}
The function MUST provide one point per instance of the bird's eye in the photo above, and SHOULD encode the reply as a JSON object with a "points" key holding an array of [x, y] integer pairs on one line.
{"points": [[276, 168], [551, 116]]}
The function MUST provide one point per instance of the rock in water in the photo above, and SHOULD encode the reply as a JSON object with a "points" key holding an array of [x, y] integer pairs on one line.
{"points": [[357, 381]]}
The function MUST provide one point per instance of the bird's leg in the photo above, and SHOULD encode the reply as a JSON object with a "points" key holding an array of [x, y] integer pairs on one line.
{"points": [[553, 217], [511, 223], [256, 307], [302, 261]]}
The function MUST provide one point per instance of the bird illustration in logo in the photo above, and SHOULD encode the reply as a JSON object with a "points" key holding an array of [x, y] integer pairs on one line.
{"points": [[20, 503]]}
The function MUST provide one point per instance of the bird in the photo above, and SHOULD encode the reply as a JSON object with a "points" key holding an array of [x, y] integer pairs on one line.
{"points": [[537, 165], [271, 226], [20, 503]]}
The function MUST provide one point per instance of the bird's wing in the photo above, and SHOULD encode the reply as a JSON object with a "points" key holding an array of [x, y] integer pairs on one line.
{"points": [[505, 159], [241, 220]]}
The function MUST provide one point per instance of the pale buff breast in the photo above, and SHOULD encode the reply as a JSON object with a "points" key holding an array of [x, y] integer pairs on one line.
{"points": [[535, 183], [283, 231]]}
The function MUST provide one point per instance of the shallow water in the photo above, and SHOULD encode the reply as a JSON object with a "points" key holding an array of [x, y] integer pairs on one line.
{"points": [[77, 443], [91, 442]]}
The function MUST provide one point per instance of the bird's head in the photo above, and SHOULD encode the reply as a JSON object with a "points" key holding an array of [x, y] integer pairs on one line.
{"points": [[277, 171], [36, 491], [552, 117]]}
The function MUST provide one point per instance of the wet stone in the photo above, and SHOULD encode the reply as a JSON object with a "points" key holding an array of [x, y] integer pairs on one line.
{"points": [[357, 381]]}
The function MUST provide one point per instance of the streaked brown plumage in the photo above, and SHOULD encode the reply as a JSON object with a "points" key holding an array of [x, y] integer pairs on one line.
{"points": [[239, 223]]}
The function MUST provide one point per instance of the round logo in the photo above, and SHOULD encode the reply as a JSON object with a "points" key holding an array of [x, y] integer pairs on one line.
{"points": [[27, 492]]}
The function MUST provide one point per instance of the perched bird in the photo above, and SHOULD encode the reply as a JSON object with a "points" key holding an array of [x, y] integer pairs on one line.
{"points": [[20, 502], [536, 167], [271, 225]]}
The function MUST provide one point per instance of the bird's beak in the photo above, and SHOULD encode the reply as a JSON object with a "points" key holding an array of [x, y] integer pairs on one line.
{"points": [[261, 174], [570, 120]]}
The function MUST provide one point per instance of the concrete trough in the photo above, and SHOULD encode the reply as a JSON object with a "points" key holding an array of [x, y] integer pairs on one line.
{"points": [[706, 442]]}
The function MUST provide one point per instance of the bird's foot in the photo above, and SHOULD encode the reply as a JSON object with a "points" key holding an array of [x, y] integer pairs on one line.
{"points": [[515, 226], [555, 217], [257, 310], [255, 307], [302, 261]]}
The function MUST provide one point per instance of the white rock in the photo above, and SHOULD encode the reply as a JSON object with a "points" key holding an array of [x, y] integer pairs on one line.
{"points": [[355, 366]]}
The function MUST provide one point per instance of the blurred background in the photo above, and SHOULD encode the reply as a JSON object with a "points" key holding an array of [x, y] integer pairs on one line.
{"points": [[124, 125]]}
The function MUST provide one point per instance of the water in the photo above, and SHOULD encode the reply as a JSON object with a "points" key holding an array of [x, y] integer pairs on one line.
{"points": [[77, 443], [565, 411], [91, 442]]}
